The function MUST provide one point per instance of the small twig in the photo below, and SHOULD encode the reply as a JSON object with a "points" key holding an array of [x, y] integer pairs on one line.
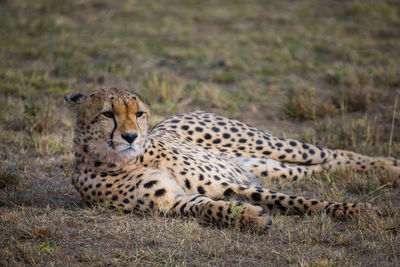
{"points": [[391, 132]]}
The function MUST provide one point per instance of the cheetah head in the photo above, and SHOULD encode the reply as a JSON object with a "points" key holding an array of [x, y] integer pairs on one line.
{"points": [[111, 124]]}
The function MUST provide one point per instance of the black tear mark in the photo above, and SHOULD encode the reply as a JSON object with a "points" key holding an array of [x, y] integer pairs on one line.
{"points": [[112, 133]]}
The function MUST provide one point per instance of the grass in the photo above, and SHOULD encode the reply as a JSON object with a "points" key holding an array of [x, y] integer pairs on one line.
{"points": [[324, 72], [9, 177], [303, 104]]}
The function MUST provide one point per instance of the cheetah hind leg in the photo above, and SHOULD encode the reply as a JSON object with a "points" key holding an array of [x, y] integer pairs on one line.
{"points": [[298, 152], [272, 169], [361, 162]]}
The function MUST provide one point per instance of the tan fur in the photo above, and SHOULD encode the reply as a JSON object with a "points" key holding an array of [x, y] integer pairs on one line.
{"points": [[194, 163]]}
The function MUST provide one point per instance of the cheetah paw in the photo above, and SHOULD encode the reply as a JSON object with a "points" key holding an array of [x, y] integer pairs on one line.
{"points": [[343, 211], [255, 219]]}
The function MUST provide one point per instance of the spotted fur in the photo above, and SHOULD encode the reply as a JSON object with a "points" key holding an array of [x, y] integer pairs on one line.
{"points": [[193, 164]]}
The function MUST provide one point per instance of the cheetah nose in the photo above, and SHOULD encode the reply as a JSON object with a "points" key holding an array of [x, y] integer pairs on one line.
{"points": [[129, 137]]}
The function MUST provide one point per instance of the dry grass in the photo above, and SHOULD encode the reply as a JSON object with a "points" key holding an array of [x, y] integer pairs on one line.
{"points": [[304, 104], [170, 94], [251, 60], [9, 176]]}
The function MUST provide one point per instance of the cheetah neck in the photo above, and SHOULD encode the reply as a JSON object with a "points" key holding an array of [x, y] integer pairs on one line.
{"points": [[89, 171], [85, 159]]}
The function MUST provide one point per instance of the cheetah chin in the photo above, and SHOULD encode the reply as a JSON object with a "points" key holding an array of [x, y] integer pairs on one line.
{"points": [[121, 155]]}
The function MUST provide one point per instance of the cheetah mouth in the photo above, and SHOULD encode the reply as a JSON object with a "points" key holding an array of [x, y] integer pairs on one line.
{"points": [[123, 152], [128, 150]]}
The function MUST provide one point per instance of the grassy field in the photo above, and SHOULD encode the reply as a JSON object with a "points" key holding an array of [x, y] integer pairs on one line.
{"points": [[327, 72]]}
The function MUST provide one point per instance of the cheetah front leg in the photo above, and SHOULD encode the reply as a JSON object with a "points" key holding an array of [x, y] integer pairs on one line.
{"points": [[166, 196], [224, 213], [292, 204]]}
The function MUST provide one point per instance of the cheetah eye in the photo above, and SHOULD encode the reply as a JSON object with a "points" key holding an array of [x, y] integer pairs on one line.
{"points": [[108, 114], [139, 114]]}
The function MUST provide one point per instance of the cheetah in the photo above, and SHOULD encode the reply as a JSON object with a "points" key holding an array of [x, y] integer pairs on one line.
{"points": [[195, 164]]}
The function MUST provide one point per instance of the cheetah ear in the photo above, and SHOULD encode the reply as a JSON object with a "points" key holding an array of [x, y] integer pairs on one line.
{"points": [[74, 99]]}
